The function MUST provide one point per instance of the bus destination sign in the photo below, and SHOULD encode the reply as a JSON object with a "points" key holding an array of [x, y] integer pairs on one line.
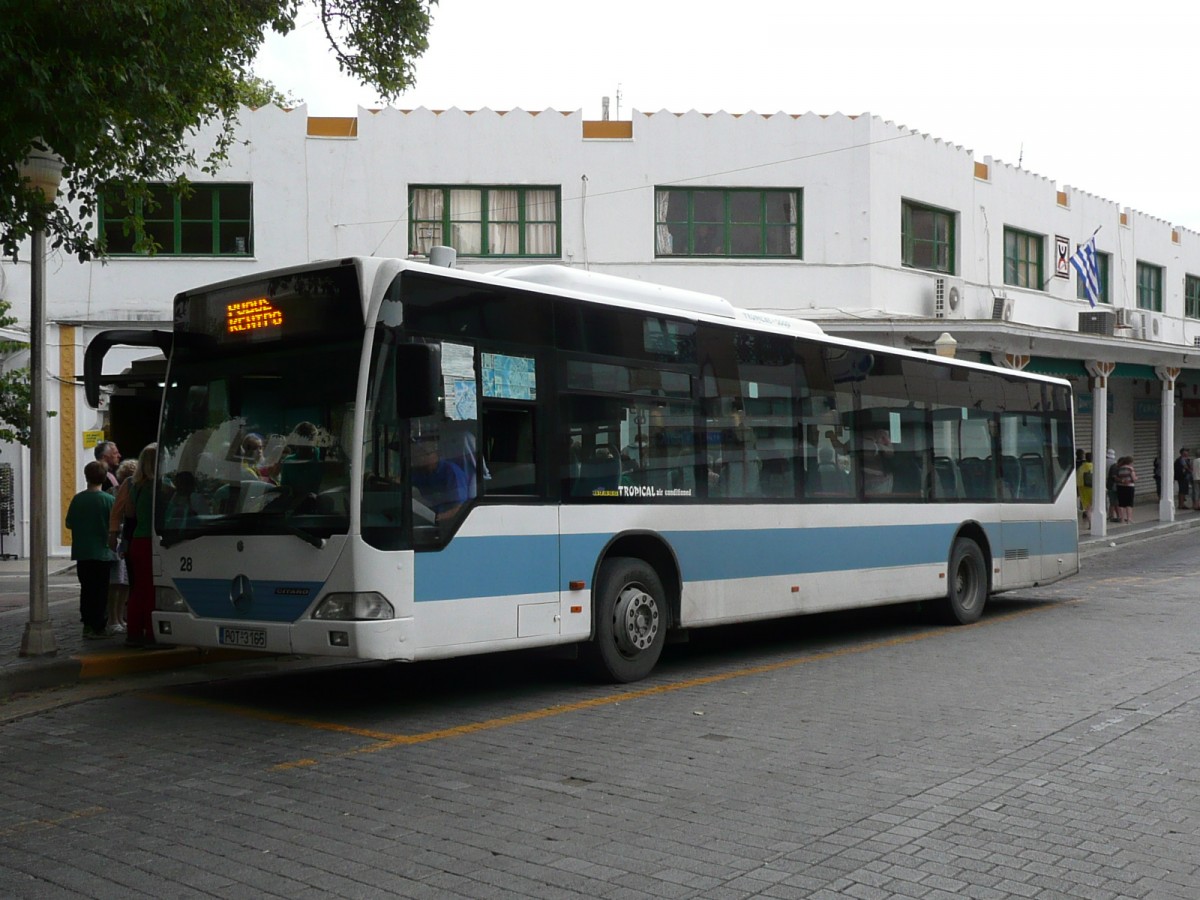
{"points": [[252, 315]]}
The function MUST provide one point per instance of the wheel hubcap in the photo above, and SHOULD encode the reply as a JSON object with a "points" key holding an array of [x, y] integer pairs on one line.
{"points": [[635, 620], [964, 585]]}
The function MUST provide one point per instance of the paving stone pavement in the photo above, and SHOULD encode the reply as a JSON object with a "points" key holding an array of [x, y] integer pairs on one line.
{"points": [[1048, 752]]}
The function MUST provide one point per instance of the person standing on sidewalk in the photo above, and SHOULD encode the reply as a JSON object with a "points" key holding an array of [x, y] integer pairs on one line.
{"points": [[1110, 484], [1085, 478], [1183, 478], [118, 578], [137, 501], [107, 453], [1126, 478], [87, 517]]}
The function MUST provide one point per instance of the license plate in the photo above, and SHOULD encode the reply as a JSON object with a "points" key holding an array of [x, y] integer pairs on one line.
{"points": [[242, 637]]}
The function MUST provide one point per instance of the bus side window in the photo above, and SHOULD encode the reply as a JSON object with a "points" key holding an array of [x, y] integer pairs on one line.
{"points": [[508, 460]]}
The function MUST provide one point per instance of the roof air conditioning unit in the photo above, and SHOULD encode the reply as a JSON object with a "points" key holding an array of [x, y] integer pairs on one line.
{"points": [[1098, 321], [947, 298], [1002, 308]]}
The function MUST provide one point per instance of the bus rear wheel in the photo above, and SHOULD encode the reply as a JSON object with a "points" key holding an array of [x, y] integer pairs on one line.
{"points": [[967, 590], [631, 621]]}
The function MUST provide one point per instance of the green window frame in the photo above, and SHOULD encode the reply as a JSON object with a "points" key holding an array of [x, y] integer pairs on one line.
{"points": [[762, 223], [1102, 264], [1191, 297], [1024, 259], [202, 220], [486, 220], [1149, 286], [927, 237]]}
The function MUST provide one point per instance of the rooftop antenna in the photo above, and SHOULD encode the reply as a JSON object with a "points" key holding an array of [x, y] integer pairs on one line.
{"points": [[618, 101], [1021, 155]]}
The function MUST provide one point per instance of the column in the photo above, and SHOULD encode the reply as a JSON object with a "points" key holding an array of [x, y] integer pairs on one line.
{"points": [[1098, 515], [1166, 441]]}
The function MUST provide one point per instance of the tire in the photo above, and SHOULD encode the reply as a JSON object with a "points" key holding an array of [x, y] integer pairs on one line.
{"points": [[631, 621], [967, 590]]}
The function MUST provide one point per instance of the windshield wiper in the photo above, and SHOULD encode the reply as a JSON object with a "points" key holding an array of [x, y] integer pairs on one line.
{"points": [[307, 536]]}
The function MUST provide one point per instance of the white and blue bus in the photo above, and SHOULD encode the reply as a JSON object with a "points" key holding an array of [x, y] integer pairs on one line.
{"points": [[384, 459]]}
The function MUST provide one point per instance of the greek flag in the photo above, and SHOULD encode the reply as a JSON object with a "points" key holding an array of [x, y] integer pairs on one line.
{"points": [[1086, 265]]}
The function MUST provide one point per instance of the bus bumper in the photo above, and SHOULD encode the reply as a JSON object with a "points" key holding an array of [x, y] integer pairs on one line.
{"points": [[387, 639]]}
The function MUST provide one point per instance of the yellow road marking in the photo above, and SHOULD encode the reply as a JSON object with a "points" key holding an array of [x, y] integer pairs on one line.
{"points": [[32, 824], [386, 741]]}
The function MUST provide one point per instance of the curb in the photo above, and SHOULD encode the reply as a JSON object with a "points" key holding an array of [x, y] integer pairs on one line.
{"points": [[38, 675]]}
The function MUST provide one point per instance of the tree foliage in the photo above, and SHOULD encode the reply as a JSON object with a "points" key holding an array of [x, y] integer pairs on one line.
{"points": [[120, 89], [256, 92]]}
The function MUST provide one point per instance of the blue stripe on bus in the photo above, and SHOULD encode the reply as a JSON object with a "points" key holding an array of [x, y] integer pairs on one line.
{"points": [[274, 601], [484, 566], [489, 567]]}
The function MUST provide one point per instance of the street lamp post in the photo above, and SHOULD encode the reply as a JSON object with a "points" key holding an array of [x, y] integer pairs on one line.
{"points": [[43, 170]]}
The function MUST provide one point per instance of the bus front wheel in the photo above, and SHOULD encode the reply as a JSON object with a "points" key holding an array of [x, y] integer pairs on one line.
{"points": [[967, 590], [631, 621]]}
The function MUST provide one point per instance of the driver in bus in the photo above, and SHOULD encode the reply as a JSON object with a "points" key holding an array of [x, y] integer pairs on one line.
{"points": [[441, 483]]}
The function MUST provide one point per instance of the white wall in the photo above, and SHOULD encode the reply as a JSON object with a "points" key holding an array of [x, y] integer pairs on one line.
{"points": [[325, 197]]}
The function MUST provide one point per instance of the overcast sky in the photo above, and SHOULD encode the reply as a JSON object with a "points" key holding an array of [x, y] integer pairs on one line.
{"points": [[1100, 96]]}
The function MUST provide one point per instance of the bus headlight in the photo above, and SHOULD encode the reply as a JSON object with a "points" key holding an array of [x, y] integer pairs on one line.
{"points": [[167, 599], [367, 605]]}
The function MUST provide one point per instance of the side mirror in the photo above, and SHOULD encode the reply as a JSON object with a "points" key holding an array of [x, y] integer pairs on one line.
{"points": [[418, 380]]}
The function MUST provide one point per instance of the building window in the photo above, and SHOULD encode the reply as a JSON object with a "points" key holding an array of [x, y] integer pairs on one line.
{"points": [[206, 220], [1149, 287], [727, 222], [1023, 254], [485, 221], [927, 238], [1191, 297], [1102, 263]]}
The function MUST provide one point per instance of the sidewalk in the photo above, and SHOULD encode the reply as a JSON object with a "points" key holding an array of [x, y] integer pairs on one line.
{"points": [[78, 660]]}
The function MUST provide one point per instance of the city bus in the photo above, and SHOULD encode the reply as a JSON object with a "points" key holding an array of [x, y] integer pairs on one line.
{"points": [[387, 459]]}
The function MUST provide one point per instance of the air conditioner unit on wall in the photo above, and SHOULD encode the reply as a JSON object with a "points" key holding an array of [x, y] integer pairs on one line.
{"points": [[1125, 318], [1098, 321], [947, 298], [1002, 308]]}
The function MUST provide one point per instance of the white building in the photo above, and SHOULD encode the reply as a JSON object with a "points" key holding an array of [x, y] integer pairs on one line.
{"points": [[873, 229]]}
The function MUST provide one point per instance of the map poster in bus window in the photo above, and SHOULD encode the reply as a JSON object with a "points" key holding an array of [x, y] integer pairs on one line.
{"points": [[508, 377]]}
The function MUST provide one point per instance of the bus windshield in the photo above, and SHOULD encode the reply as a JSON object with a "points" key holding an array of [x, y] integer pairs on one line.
{"points": [[255, 442]]}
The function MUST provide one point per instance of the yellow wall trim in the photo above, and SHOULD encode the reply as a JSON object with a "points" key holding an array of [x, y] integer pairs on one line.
{"points": [[981, 171], [621, 130], [68, 437], [1175, 235], [1125, 219], [333, 126], [1062, 198]]}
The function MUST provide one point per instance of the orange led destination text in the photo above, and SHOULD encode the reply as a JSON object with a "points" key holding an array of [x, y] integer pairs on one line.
{"points": [[248, 315]]}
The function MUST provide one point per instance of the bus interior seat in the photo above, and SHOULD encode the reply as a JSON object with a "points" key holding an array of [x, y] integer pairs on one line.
{"points": [[945, 482], [600, 473], [907, 475], [1010, 476], [979, 482], [1033, 477]]}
